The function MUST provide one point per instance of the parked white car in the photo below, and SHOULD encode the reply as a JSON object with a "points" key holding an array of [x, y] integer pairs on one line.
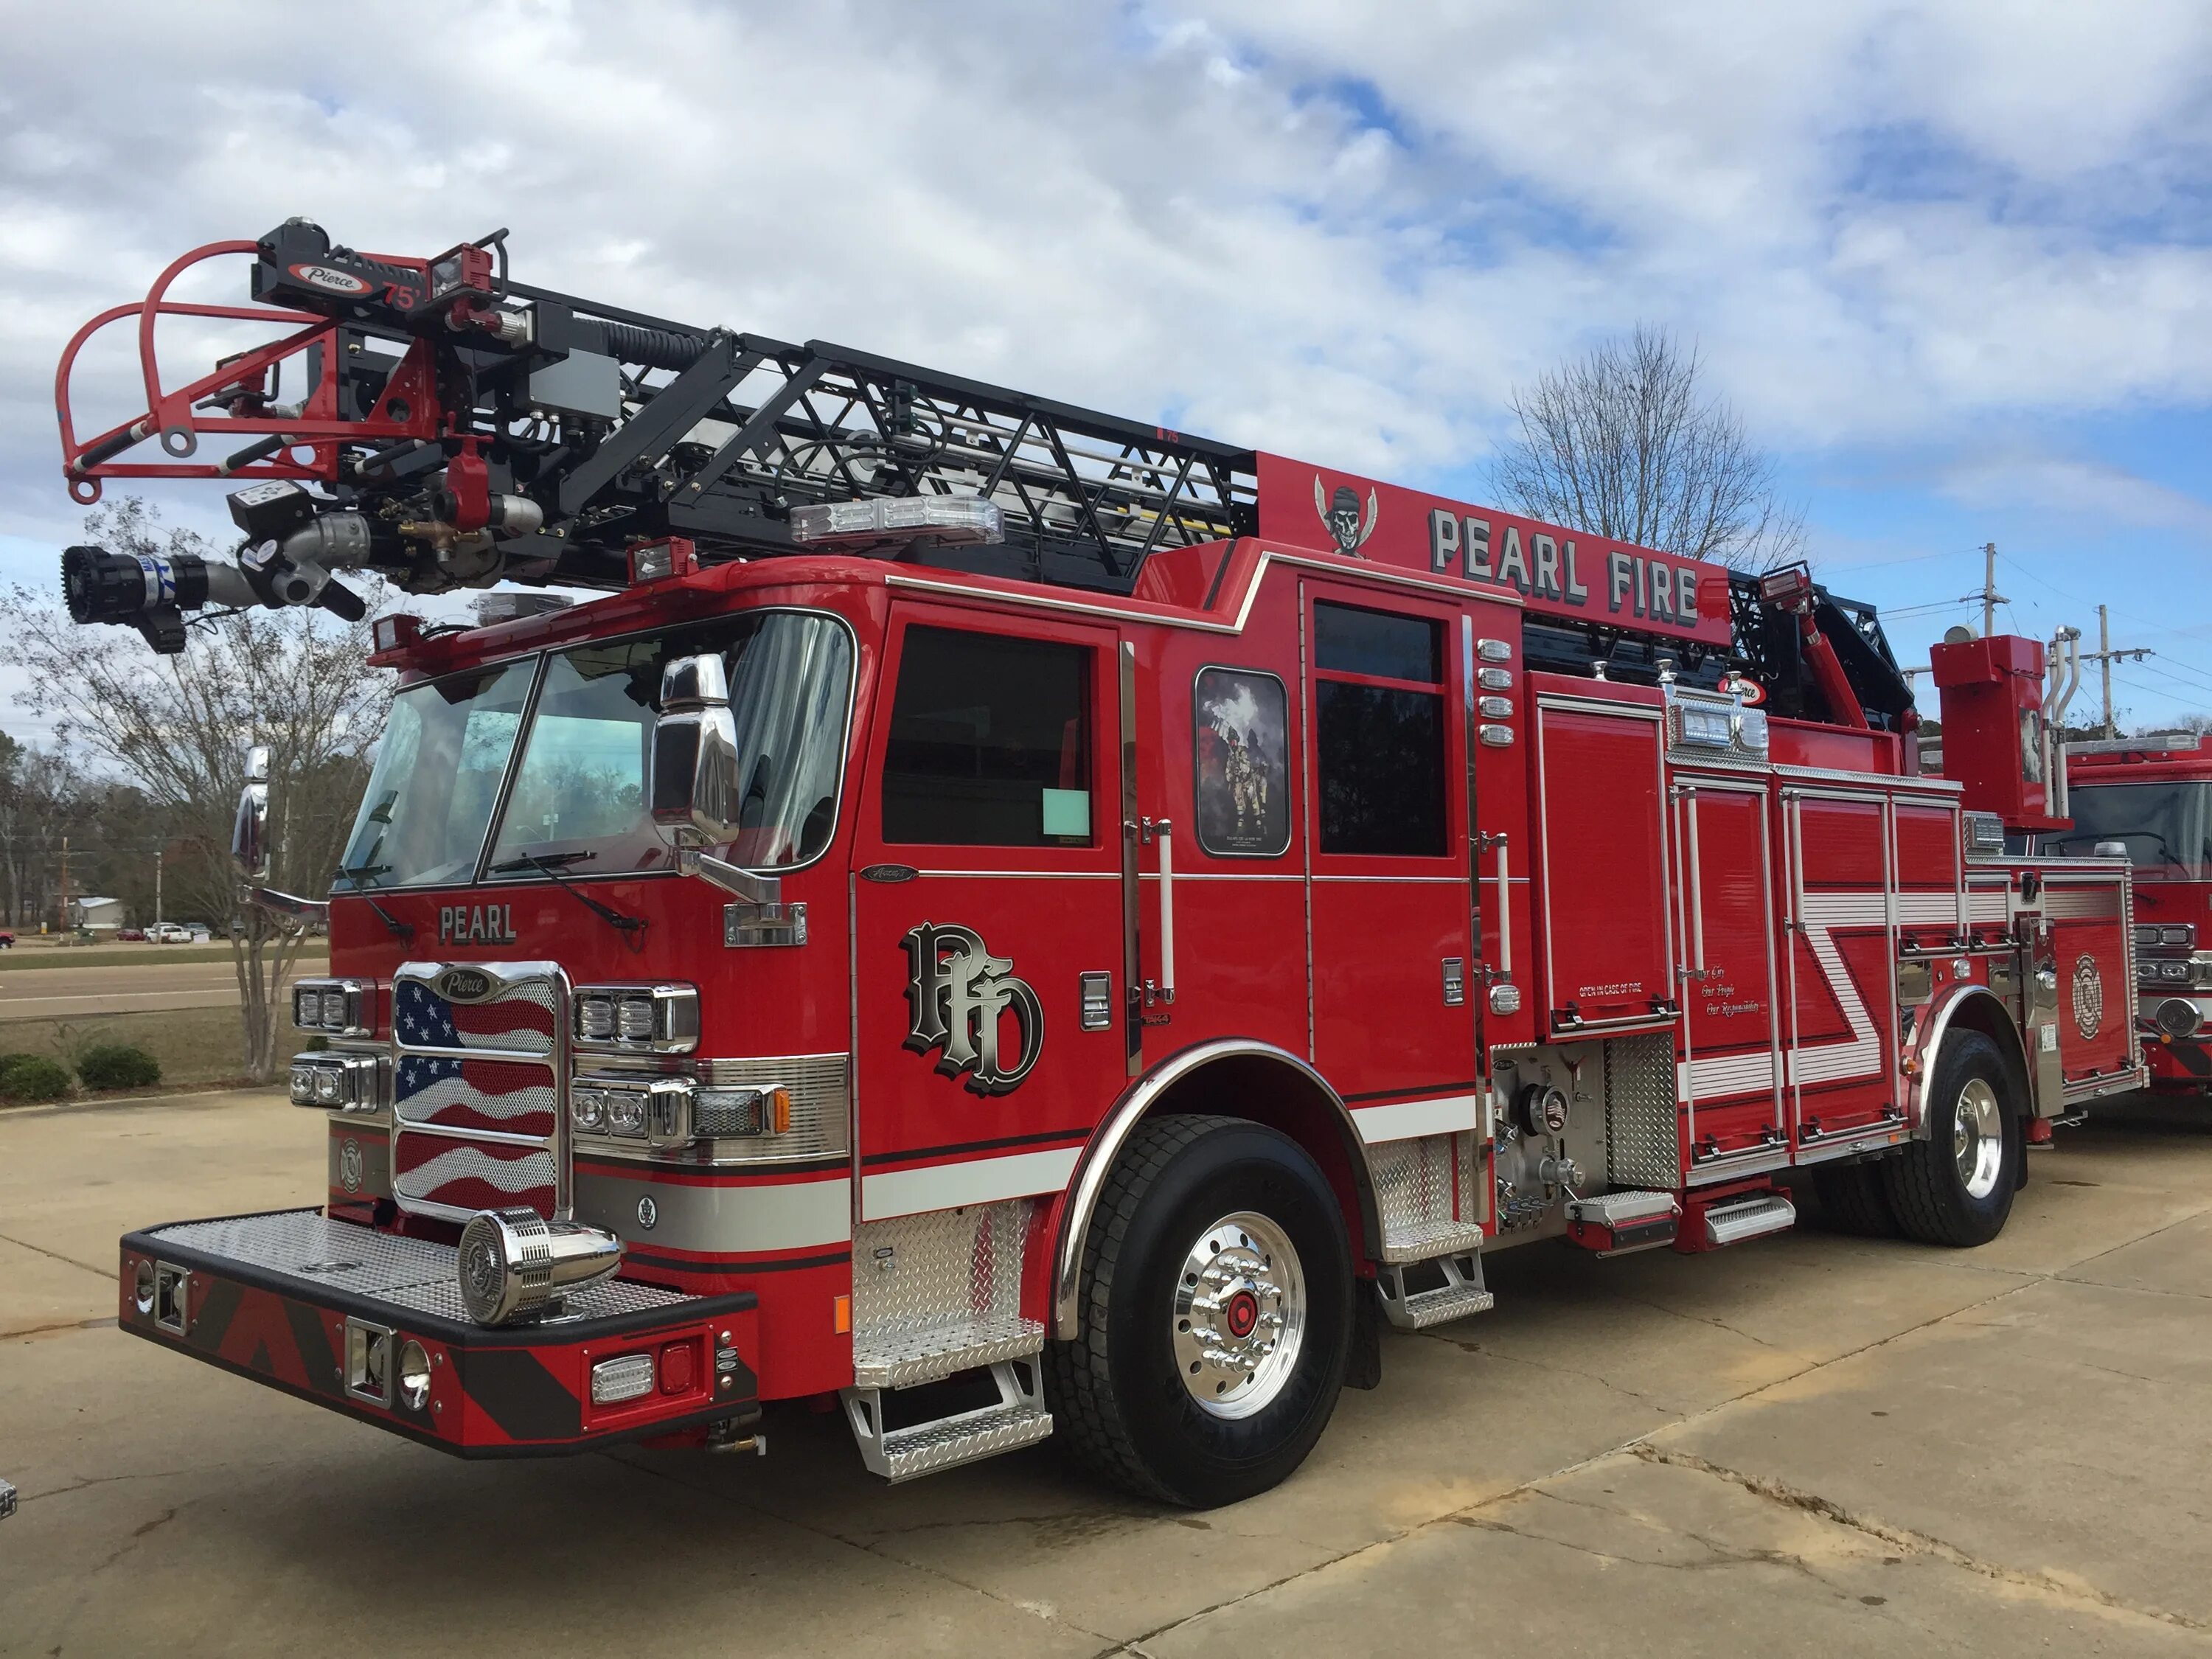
{"points": [[171, 932]]}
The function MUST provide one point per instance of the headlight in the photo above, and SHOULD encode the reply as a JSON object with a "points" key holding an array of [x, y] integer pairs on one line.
{"points": [[342, 1007], [329, 1086], [656, 1018], [625, 1111], [588, 1110], [303, 1085], [514, 1263], [626, 1377]]}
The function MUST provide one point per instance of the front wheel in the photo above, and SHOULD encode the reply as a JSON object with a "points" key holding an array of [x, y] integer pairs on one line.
{"points": [[1217, 1315], [1955, 1187]]}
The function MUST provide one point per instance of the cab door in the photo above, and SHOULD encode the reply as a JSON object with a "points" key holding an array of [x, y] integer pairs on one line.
{"points": [[986, 942], [1390, 899]]}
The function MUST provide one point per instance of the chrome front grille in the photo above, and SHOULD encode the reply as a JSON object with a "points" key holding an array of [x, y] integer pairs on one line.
{"points": [[479, 1088]]}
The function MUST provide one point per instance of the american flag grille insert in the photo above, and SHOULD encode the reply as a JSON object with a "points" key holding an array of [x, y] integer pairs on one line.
{"points": [[520, 1022], [477, 1099]]}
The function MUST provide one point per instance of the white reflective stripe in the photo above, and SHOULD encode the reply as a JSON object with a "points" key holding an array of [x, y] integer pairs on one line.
{"points": [[1726, 1074], [1402, 1119], [1861, 1056], [977, 1180], [718, 1220]]}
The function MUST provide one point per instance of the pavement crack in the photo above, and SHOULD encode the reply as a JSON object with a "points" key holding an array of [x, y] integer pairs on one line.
{"points": [[1906, 1538], [1697, 1319], [1602, 1381], [56, 1255]]}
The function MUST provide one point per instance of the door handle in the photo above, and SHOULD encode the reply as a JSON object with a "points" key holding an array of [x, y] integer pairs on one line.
{"points": [[1162, 830]]}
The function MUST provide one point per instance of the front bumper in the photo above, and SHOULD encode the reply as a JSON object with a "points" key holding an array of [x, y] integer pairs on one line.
{"points": [[299, 1302]]}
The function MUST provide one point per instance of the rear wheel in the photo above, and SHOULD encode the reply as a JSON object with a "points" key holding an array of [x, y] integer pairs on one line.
{"points": [[1955, 1187], [1854, 1200], [1217, 1314]]}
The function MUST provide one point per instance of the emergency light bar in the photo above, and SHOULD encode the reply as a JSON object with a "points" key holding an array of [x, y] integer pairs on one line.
{"points": [[953, 519]]}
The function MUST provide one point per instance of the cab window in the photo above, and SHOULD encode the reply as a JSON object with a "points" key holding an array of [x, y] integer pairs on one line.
{"points": [[1379, 732], [990, 742]]}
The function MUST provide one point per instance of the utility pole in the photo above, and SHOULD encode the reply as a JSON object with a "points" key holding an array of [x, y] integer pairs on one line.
{"points": [[63, 919], [2103, 656], [157, 886], [1991, 598], [2104, 665]]}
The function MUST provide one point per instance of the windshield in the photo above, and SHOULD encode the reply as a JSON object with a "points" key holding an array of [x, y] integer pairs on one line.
{"points": [[2168, 827], [578, 802], [436, 781]]}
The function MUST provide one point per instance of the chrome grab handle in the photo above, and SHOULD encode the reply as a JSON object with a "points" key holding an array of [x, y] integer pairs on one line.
{"points": [[1164, 830], [1485, 842]]}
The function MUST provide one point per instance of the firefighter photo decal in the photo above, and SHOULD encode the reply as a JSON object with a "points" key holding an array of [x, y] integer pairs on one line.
{"points": [[963, 999], [1341, 515], [1240, 763]]}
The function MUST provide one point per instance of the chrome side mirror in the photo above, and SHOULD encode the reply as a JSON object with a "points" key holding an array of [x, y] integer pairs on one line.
{"points": [[695, 787], [249, 830]]}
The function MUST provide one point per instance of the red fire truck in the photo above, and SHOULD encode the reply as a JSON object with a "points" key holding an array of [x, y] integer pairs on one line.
{"points": [[2149, 799], [1025, 922]]}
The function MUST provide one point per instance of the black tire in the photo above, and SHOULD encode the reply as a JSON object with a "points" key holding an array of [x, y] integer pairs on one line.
{"points": [[1928, 1194], [1117, 1396], [1854, 1199]]}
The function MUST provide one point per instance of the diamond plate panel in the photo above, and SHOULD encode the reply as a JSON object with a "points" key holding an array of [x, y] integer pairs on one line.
{"points": [[1643, 1130], [412, 1274], [938, 1283]]}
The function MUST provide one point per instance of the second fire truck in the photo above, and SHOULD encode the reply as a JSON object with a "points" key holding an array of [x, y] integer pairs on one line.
{"points": [[1021, 923]]}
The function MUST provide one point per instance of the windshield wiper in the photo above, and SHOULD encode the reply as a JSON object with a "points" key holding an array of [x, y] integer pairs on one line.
{"points": [[359, 873], [549, 868], [539, 861]]}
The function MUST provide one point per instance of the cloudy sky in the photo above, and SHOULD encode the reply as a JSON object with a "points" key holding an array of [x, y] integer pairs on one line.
{"points": [[1953, 262]]}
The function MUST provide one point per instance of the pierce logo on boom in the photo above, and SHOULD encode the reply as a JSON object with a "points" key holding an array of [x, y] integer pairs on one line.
{"points": [[959, 994], [330, 281]]}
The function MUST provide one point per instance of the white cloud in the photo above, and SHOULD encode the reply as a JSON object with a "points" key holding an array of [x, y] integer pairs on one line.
{"points": [[1335, 231]]}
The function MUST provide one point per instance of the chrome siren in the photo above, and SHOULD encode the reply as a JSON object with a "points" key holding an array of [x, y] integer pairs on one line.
{"points": [[514, 1264]]}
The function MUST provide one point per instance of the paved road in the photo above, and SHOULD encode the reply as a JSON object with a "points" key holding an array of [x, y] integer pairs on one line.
{"points": [[1807, 1445], [67, 993]]}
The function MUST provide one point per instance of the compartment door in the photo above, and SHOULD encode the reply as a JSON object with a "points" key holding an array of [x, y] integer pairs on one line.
{"points": [[1728, 1083], [1608, 955], [1841, 1075]]}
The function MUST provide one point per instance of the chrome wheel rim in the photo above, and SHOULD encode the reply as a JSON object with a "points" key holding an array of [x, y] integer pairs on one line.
{"points": [[1240, 1315], [1978, 1138]]}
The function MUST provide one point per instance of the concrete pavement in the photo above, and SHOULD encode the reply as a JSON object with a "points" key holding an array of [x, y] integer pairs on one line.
{"points": [[1806, 1445]]}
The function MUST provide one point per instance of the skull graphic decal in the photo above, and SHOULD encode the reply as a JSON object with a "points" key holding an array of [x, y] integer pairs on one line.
{"points": [[1342, 516]]}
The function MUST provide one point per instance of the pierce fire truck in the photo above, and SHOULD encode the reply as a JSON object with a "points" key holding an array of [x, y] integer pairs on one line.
{"points": [[1024, 922], [2149, 799]]}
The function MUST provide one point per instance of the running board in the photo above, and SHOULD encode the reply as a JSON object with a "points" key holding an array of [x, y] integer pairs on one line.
{"points": [[1019, 1420], [1427, 1240], [900, 1358], [1750, 1217], [1461, 1294]]}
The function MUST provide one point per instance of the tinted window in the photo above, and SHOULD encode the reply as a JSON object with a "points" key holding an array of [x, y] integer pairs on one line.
{"points": [[1351, 642], [1379, 750], [990, 742]]}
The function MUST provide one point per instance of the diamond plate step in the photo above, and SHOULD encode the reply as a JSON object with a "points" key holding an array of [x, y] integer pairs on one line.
{"points": [[1019, 1420], [928, 1447], [1426, 1241], [901, 1357], [1731, 1224], [1461, 1294]]}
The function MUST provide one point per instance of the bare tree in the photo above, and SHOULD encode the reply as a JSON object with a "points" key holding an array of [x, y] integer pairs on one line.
{"points": [[296, 681], [1619, 442]]}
